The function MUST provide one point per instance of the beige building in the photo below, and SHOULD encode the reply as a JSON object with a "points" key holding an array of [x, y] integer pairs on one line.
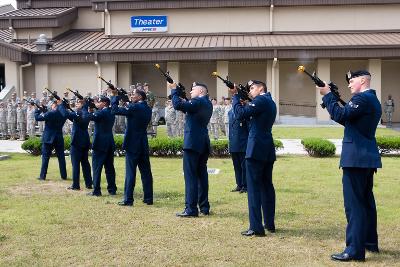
{"points": [[255, 39]]}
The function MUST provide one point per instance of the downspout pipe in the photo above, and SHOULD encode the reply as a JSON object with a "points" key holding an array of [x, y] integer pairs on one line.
{"points": [[271, 17]]}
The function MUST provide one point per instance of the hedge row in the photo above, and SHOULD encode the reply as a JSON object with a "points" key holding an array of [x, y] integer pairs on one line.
{"points": [[159, 147], [317, 147]]}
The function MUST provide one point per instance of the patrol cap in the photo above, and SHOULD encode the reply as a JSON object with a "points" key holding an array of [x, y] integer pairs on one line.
{"points": [[104, 99], [350, 75], [141, 93], [199, 84]]}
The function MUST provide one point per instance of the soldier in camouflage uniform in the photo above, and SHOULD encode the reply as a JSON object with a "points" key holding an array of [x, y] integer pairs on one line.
{"points": [[214, 121], [21, 120], [12, 118], [179, 123], [227, 108], [170, 118], [155, 117], [43, 101], [3, 120], [30, 120], [151, 99]]}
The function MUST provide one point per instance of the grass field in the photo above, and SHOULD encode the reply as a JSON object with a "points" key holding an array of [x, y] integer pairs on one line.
{"points": [[43, 224], [282, 132]]}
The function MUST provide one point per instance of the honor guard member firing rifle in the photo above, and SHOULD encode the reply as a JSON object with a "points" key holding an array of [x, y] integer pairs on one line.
{"points": [[138, 115], [52, 137], [80, 144], [196, 147], [260, 156], [103, 146], [359, 160]]}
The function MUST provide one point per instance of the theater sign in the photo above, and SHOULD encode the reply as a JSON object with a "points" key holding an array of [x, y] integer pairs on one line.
{"points": [[149, 24]]}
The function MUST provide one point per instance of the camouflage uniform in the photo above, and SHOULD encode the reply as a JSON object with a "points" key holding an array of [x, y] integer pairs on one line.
{"points": [[214, 121], [12, 118], [3, 121], [226, 119], [389, 109], [21, 121], [30, 120], [179, 123], [170, 119], [155, 117], [43, 101]]}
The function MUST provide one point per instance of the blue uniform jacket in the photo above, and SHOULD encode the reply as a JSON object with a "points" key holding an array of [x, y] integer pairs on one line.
{"points": [[360, 118], [261, 113], [54, 124], [103, 139], [238, 133], [138, 118], [79, 136], [198, 113]]}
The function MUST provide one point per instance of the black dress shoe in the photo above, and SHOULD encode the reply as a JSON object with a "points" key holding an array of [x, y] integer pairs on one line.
{"points": [[73, 188], [186, 215], [270, 229], [252, 233], [63, 178], [148, 202], [123, 203], [243, 190], [205, 213], [373, 249], [89, 187], [344, 257], [237, 189], [112, 193], [41, 179], [94, 194]]}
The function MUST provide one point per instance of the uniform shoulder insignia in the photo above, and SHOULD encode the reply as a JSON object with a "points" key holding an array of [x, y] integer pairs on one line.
{"points": [[351, 104]]}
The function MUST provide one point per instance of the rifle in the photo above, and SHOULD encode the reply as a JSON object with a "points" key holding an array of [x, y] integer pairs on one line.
{"points": [[64, 100], [318, 82], [76, 93], [121, 91], [243, 91], [42, 108], [181, 89]]}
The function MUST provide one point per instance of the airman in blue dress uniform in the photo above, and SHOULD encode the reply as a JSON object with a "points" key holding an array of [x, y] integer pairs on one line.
{"points": [[359, 160], [260, 156], [196, 148], [52, 138], [80, 145], [103, 146], [238, 134], [138, 114]]}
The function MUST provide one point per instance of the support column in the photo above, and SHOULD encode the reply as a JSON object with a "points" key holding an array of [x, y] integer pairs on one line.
{"points": [[272, 74], [173, 68], [375, 68], [324, 72], [41, 78], [223, 71], [124, 75]]}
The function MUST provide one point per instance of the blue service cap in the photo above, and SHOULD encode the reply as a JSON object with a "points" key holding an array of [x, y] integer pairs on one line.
{"points": [[350, 75], [104, 99]]}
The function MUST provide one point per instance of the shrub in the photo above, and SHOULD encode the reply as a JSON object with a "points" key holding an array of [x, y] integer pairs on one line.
{"points": [[118, 140], [388, 144], [317, 147], [219, 148], [33, 146], [165, 146], [278, 144]]}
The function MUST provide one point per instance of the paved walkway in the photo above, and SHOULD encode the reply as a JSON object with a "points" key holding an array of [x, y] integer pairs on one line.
{"points": [[291, 146]]}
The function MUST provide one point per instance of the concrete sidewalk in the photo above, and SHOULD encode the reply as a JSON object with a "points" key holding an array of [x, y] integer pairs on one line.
{"points": [[291, 146]]}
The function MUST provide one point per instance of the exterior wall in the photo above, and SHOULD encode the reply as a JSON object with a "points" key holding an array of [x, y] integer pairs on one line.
{"points": [[34, 33], [199, 20], [81, 77], [142, 73], [199, 72], [333, 18], [29, 79], [298, 18], [109, 72], [11, 72], [41, 78], [88, 19], [391, 86], [296, 90]]}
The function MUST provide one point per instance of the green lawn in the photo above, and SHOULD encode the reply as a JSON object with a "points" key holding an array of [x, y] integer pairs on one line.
{"points": [[42, 224], [282, 132]]}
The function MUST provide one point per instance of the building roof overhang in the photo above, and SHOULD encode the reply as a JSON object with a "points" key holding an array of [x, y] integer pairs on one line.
{"points": [[38, 18], [89, 46]]}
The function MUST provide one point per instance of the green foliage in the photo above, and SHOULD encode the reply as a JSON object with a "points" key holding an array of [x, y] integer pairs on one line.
{"points": [[165, 147], [219, 148], [318, 147], [278, 144], [33, 146], [119, 140], [388, 144]]}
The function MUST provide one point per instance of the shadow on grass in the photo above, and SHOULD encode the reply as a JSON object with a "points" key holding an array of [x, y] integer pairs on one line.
{"points": [[321, 233]]}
